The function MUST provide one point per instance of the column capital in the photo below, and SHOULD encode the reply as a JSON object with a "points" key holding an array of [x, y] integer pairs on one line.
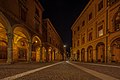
{"points": [[9, 35]]}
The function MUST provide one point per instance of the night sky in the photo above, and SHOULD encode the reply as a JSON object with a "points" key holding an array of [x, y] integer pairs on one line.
{"points": [[62, 14]]}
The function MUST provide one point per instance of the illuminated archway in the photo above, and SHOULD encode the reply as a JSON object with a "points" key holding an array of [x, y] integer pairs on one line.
{"points": [[21, 45], [5, 33], [100, 52], [3, 43], [115, 50], [36, 47], [90, 54]]}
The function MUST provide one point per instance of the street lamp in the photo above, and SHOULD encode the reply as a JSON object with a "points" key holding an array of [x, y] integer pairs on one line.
{"points": [[64, 55], [64, 46]]}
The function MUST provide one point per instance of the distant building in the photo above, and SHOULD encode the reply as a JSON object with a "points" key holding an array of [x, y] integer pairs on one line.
{"points": [[96, 32], [21, 31], [52, 42]]}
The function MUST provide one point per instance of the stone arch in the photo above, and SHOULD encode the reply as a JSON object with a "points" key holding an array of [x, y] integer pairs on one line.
{"points": [[100, 52], [5, 34], [4, 21], [21, 43], [90, 54], [83, 55], [36, 49], [115, 50]]}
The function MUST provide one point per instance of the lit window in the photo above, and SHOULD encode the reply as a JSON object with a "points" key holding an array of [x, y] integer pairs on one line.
{"points": [[100, 31]]}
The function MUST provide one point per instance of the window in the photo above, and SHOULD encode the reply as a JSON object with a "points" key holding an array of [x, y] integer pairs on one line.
{"points": [[83, 38], [90, 16], [112, 2], [50, 39], [23, 9], [90, 36], [100, 30], [37, 26], [78, 43], [83, 23], [100, 5], [117, 21]]}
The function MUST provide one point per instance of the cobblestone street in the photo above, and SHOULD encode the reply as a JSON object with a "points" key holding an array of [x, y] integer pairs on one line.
{"points": [[58, 71]]}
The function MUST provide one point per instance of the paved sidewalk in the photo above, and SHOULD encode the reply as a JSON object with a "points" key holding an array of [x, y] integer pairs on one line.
{"points": [[109, 69], [12, 69], [100, 75]]}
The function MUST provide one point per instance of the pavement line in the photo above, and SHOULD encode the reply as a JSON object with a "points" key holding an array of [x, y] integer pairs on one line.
{"points": [[94, 73], [103, 65], [28, 72]]}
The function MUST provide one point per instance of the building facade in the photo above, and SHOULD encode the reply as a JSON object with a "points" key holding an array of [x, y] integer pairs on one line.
{"points": [[96, 32], [53, 42], [21, 31]]}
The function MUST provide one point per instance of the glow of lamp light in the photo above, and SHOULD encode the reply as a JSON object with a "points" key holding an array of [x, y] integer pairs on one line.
{"points": [[36, 41]]}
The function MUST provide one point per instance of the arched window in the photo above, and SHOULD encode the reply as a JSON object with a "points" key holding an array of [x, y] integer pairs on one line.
{"points": [[117, 21]]}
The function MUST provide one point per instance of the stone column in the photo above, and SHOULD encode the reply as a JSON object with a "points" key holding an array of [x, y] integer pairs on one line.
{"points": [[54, 55], [30, 51], [10, 48], [51, 54], [47, 55], [109, 54], [94, 55], [41, 53], [86, 55]]}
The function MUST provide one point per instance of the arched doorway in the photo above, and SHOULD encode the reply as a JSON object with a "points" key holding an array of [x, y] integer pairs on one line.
{"points": [[20, 46], [115, 50], [36, 49], [83, 55], [90, 54], [3, 43], [78, 54], [100, 52]]}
